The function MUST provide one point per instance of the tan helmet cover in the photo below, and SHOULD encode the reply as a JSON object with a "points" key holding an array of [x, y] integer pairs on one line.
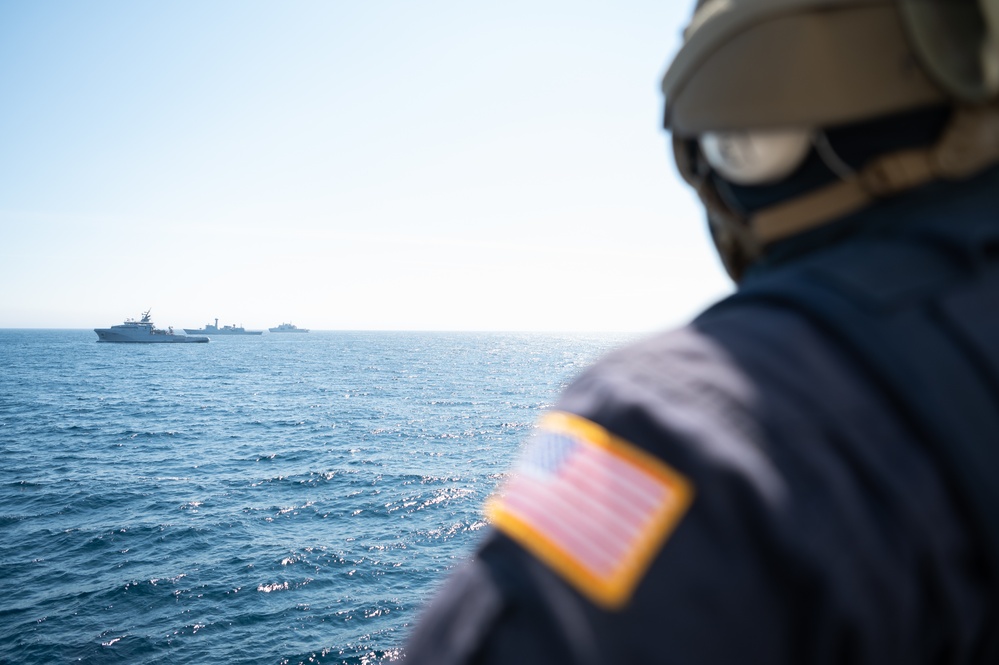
{"points": [[756, 64], [760, 65]]}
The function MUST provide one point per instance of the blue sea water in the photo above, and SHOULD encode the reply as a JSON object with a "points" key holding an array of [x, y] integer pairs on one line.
{"points": [[278, 499]]}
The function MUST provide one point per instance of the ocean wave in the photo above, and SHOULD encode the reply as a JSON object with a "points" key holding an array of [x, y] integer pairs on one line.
{"points": [[257, 502]]}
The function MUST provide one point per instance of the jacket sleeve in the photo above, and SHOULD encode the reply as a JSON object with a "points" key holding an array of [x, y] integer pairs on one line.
{"points": [[710, 593]]}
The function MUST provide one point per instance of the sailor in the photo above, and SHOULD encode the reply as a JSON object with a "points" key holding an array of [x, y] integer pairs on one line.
{"points": [[807, 473]]}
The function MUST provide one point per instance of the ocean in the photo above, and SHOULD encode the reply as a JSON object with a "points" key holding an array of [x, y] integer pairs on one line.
{"points": [[276, 499]]}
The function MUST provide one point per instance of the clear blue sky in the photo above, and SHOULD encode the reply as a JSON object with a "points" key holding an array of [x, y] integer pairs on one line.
{"points": [[440, 165]]}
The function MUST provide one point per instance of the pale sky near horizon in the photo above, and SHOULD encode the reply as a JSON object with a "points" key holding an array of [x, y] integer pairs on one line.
{"points": [[436, 165]]}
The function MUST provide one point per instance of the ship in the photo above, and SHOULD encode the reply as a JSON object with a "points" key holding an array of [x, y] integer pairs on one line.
{"points": [[210, 329], [288, 328], [143, 331]]}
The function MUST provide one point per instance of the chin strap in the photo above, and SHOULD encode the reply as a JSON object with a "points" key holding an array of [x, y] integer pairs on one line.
{"points": [[736, 245], [968, 144]]}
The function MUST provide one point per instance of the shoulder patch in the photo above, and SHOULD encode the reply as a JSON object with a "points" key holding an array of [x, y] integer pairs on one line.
{"points": [[592, 506]]}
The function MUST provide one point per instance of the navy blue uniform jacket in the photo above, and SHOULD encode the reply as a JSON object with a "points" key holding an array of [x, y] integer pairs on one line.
{"points": [[818, 530]]}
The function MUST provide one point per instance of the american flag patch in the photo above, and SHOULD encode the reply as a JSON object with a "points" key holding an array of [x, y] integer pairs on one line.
{"points": [[592, 506]]}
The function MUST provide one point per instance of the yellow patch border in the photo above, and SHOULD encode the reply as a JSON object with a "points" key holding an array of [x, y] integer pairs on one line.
{"points": [[613, 591]]}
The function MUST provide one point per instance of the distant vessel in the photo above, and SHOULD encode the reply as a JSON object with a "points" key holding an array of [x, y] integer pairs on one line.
{"points": [[288, 327], [142, 332], [209, 329]]}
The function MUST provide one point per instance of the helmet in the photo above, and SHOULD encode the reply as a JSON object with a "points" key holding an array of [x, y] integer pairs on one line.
{"points": [[757, 82]]}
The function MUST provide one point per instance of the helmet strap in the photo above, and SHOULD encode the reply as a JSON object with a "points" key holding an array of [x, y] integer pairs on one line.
{"points": [[730, 230], [968, 144]]}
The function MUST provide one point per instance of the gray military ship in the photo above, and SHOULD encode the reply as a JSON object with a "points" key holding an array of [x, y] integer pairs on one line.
{"points": [[143, 332], [210, 329]]}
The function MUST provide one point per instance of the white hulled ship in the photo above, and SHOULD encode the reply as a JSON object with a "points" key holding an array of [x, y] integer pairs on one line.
{"points": [[289, 328], [143, 332]]}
